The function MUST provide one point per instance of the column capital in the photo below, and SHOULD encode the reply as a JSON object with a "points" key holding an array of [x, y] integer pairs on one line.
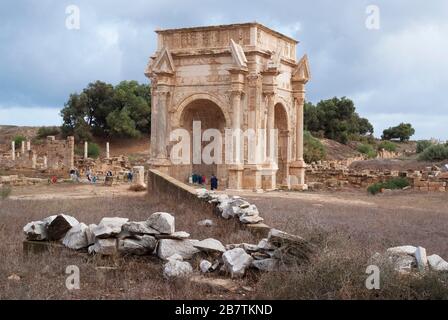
{"points": [[236, 92]]}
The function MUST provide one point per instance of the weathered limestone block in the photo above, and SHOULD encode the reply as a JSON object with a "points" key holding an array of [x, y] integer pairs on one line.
{"points": [[422, 260], [60, 225], [139, 246], [163, 222], [437, 263], [105, 247], [210, 245], [176, 269], [168, 247], [76, 237], [236, 261], [109, 227], [139, 228], [409, 250]]}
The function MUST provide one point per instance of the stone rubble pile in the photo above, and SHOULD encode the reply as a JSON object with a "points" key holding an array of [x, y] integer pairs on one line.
{"points": [[231, 207], [407, 259], [157, 236]]}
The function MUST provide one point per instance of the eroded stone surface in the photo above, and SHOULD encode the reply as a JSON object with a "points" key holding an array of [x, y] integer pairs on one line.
{"points": [[109, 227], [236, 261], [163, 222], [210, 245], [176, 269], [76, 237], [59, 226], [184, 248]]}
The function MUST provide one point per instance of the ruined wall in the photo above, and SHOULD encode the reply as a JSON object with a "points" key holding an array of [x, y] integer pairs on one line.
{"points": [[53, 155], [337, 174], [60, 153]]}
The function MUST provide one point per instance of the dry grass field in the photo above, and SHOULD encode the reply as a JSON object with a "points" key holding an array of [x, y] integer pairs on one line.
{"points": [[347, 228]]}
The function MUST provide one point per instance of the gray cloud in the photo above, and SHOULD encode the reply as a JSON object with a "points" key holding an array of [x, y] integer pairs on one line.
{"points": [[397, 73]]}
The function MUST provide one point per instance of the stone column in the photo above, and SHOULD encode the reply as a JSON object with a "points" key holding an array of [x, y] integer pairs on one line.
{"points": [[13, 150], [86, 149], [71, 151], [299, 129], [107, 150], [270, 125], [28, 145], [33, 160], [45, 162], [23, 147], [297, 168], [138, 178], [162, 110]]}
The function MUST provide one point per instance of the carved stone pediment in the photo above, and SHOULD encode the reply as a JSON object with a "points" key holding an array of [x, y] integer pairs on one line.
{"points": [[238, 55], [302, 72], [161, 64]]}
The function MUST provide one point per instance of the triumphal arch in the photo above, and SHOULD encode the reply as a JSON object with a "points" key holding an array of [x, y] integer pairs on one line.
{"points": [[239, 76]]}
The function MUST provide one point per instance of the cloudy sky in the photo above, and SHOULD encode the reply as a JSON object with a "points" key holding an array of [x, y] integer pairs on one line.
{"points": [[396, 73]]}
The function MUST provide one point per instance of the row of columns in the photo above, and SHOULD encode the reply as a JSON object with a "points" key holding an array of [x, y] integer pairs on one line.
{"points": [[13, 148], [86, 150]]}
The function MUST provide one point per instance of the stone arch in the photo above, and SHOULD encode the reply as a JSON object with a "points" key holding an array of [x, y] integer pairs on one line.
{"points": [[200, 96], [282, 101], [200, 107], [282, 124]]}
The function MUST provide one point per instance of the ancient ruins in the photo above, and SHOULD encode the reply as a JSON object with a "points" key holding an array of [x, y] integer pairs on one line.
{"points": [[238, 76], [54, 157]]}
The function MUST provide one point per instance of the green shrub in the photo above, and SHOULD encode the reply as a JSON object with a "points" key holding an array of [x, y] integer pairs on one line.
{"points": [[313, 149], [388, 146], [44, 132], [435, 152], [422, 145], [93, 150], [395, 183], [18, 140], [367, 149], [5, 191]]}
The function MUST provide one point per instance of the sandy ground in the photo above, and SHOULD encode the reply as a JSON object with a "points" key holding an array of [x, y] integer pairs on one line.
{"points": [[71, 191]]}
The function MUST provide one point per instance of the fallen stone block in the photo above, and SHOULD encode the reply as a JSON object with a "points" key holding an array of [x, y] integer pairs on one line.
{"points": [[436, 263], [422, 260], [168, 247], [35, 230], [76, 237], [59, 226], [140, 246], [409, 250], [210, 245], [205, 266], [236, 261], [109, 227], [139, 228], [163, 222], [105, 247], [176, 269], [90, 235], [178, 235]]}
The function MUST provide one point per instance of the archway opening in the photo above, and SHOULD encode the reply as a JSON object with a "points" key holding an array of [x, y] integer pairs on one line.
{"points": [[281, 124], [210, 116]]}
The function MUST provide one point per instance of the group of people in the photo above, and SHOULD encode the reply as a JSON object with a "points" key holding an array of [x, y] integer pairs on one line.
{"points": [[202, 179]]}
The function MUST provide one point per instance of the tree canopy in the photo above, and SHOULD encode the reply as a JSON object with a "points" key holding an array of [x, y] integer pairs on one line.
{"points": [[403, 132], [104, 110], [336, 119]]}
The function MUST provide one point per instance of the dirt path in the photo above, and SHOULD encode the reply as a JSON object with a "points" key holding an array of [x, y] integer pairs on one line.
{"points": [[70, 191]]}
